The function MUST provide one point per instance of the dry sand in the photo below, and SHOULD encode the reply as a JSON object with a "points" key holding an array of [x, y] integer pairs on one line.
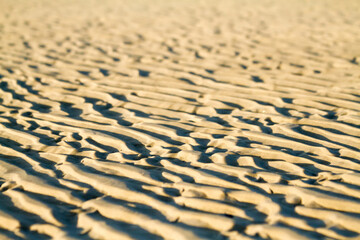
{"points": [[179, 119]]}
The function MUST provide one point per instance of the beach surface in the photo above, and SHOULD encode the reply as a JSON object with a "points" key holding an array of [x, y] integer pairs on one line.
{"points": [[179, 119]]}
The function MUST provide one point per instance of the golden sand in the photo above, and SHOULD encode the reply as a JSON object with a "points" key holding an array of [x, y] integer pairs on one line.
{"points": [[179, 119]]}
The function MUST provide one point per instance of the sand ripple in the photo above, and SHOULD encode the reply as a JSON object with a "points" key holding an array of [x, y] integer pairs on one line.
{"points": [[179, 119]]}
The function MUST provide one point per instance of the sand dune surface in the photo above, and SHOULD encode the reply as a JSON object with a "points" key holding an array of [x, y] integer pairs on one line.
{"points": [[179, 119]]}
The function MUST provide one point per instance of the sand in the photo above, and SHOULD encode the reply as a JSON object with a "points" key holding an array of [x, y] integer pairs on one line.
{"points": [[179, 119]]}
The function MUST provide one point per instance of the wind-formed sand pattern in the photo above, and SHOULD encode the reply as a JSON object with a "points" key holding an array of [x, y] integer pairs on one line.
{"points": [[179, 119]]}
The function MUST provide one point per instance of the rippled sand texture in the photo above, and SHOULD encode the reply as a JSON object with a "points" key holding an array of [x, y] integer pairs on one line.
{"points": [[179, 119]]}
